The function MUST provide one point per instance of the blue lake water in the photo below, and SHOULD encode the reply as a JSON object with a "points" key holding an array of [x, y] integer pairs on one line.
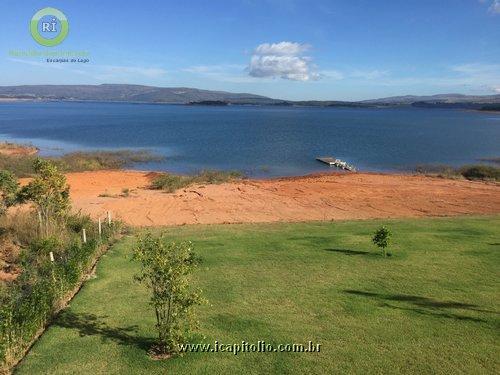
{"points": [[262, 141]]}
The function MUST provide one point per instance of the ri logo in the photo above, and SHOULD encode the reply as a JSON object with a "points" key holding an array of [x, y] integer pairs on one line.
{"points": [[49, 27]]}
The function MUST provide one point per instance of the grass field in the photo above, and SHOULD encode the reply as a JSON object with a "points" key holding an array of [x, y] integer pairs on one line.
{"points": [[432, 307]]}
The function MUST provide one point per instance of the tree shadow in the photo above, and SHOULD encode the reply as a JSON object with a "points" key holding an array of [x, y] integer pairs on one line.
{"points": [[425, 305], [93, 325], [354, 252]]}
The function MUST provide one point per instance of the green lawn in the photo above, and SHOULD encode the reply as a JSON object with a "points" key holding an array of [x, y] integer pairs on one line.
{"points": [[432, 307]]}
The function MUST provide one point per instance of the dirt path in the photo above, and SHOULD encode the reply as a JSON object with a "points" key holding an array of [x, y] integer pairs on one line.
{"points": [[324, 197]]}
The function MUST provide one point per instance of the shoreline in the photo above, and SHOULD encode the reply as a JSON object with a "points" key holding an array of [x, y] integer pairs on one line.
{"points": [[17, 149], [349, 105], [323, 197]]}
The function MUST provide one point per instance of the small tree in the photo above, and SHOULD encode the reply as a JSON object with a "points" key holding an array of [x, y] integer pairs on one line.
{"points": [[48, 192], [8, 190], [382, 238], [165, 270]]}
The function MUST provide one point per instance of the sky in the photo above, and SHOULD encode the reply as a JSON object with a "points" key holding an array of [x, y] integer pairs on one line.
{"points": [[288, 49]]}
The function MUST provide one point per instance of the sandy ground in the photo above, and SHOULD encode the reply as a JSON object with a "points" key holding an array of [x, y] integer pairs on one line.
{"points": [[323, 197], [12, 149]]}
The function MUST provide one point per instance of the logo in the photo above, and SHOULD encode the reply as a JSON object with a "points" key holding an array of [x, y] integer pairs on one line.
{"points": [[49, 27]]}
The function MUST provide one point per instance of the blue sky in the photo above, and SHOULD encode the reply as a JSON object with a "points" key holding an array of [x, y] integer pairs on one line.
{"points": [[291, 49]]}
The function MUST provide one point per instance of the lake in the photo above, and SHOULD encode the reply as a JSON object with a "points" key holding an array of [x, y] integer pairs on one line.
{"points": [[261, 141]]}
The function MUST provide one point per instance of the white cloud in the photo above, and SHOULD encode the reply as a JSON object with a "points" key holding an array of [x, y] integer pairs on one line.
{"points": [[281, 49], [284, 60], [495, 7]]}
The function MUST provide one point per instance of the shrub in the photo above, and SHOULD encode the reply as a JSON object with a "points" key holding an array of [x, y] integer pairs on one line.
{"points": [[99, 160], [27, 303], [382, 238], [171, 182], [8, 190], [439, 170], [480, 172], [49, 193], [22, 226], [165, 270], [22, 165], [470, 172]]}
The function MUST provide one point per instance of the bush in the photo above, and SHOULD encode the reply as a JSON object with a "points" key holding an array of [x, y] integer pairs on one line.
{"points": [[480, 172], [439, 170], [100, 160], [27, 303], [49, 194], [165, 270], [170, 182], [8, 190], [382, 238], [22, 165], [470, 172], [22, 226]]}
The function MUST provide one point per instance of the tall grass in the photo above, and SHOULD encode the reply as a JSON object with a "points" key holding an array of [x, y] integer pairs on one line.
{"points": [[22, 165], [171, 182], [21, 226], [43, 286], [470, 172]]}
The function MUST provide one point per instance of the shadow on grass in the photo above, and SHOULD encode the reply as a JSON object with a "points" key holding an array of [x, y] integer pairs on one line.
{"points": [[92, 325], [424, 305], [357, 252]]}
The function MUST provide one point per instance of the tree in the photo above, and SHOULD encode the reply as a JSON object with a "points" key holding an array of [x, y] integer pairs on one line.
{"points": [[165, 270], [8, 190], [382, 238], [48, 192]]}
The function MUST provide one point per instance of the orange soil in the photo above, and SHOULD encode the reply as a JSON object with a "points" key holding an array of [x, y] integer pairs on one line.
{"points": [[11, 149], [319, 197]]}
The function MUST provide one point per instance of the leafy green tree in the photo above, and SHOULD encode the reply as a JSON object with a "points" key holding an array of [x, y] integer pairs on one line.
{"points": [[8, 190], [165, 270], [382, 238], [48, 192]]}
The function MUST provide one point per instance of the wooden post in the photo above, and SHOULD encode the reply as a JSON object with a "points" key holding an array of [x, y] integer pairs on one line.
{"points": [[84, 234], [100, 228], [51, 254], [109, 217], [40, 221]]}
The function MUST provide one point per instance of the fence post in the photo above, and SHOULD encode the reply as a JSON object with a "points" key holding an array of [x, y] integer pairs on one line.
{"points": [[40, 221], [109, 217], [84, 234], [51, 255], [100, 228]]}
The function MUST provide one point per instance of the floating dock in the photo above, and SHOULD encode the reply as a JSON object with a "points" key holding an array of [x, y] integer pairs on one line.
{"points": [[336, 163]]}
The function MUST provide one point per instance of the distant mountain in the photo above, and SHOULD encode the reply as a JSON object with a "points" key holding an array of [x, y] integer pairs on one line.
{"points": [[129, 93], [439, 101], [185, 95]]}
